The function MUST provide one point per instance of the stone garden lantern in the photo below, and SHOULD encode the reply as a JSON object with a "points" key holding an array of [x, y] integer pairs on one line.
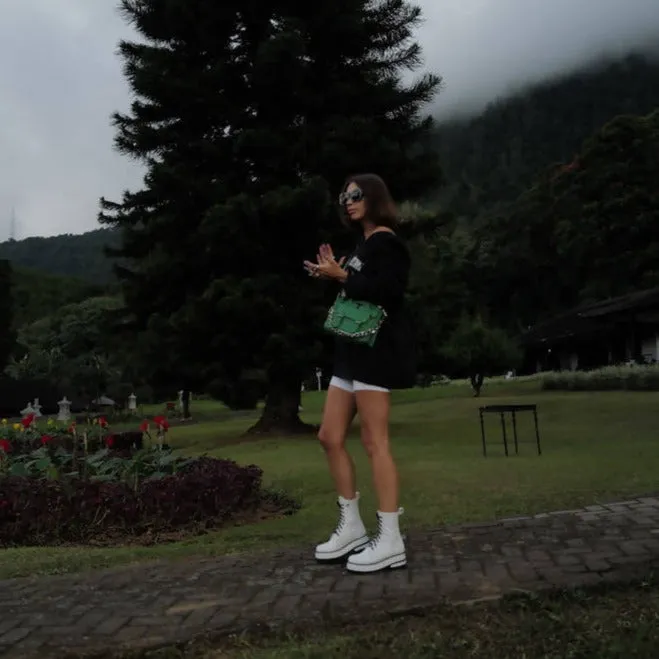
{"points": [[36, 406], [28, 410], [132, 403], [64, 413]]}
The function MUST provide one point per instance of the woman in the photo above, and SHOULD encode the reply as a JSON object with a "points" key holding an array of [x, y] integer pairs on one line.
{"points": [[363, 376]]}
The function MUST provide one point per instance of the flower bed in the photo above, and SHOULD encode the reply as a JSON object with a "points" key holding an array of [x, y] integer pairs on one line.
{"points": [[68, 486]]}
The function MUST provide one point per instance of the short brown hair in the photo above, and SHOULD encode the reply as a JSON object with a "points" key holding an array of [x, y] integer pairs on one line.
{"points": [[380, 207]]}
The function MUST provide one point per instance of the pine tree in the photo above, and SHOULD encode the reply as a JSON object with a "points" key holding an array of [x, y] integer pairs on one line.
{"points": [[249, 115]]}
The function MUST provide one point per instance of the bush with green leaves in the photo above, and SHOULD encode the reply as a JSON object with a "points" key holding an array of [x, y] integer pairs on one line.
{"points": [[56, 463]]}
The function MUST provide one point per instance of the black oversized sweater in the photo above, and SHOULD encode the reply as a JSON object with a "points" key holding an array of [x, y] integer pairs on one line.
{"points": [[378, 272]]}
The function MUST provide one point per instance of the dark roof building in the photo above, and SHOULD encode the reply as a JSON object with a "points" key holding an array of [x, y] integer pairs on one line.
{"points": [[611, 331]]}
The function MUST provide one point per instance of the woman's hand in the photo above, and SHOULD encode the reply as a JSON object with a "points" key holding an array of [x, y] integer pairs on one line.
{"points": [[326, 267]]}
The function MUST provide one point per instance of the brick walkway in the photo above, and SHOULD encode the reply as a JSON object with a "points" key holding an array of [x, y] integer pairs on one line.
{"points": [[160, 603]]}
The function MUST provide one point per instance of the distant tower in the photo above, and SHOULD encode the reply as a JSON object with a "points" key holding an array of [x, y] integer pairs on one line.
{"points": [[12, 224]]}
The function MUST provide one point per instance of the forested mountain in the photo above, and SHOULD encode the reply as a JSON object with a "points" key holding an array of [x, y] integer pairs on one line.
{"points": [[585, 231], [37, 294], [73, 255], [495, 156]]}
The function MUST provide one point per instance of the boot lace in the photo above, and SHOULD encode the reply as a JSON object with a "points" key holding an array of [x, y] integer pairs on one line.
{"points": [[378, 534], [342, 519]]}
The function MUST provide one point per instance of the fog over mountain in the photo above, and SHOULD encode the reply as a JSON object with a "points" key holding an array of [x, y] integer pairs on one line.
{"points": [[60, 79], [489, 48]]}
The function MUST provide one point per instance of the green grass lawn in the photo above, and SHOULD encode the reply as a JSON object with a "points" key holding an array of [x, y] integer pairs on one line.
{"points": [[613, 623], [596, 446]]}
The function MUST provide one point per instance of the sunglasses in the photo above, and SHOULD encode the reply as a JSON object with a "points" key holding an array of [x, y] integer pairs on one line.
{"points": [[353, 196]]}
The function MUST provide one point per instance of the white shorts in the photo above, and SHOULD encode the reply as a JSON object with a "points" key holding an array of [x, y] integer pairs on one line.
{"points": [[353, 385]]}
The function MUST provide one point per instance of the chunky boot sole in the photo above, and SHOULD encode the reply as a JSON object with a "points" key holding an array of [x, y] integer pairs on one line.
{"points": [[396, 562], [340, 555]]}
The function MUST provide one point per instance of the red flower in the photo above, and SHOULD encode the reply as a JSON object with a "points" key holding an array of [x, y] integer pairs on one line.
{"points": [[103, 422], [45, 439], [5, 445], [144, 426], [27, 421], [109, 441], [161, 422], [72, 427]]}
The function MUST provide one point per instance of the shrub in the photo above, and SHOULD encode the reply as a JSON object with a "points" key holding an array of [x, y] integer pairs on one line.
{"points": [[611, 378], [69, 484], [204, 492], [56, 463]]}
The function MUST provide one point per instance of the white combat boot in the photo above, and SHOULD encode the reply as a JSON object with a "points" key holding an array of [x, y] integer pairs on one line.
{"points": [[385, 550], [349, 535]]}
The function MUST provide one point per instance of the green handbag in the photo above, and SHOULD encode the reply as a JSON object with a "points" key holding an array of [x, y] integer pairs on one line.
{"points": [[355, 320]]}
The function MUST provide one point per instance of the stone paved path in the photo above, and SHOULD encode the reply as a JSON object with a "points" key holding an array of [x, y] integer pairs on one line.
{"points": [[159, 603]]}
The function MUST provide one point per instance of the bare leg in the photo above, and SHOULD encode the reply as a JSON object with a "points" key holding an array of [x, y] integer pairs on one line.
{"points": [[373, 407], [386, 550], [350, 533], [337, 416]]}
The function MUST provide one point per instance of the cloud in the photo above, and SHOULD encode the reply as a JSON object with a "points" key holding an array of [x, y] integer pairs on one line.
{"points": [[487, 48], [60, 79]]}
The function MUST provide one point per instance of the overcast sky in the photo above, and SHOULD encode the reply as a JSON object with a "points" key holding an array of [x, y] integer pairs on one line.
{"points": [[60, 79]]}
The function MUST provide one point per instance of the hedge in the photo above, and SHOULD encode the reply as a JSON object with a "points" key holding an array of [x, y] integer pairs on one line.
{"points": [[610, 378]]}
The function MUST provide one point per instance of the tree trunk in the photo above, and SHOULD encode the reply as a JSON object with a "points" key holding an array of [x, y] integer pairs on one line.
{"points": [[477, 383], [281, 412], [185, 404]]}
